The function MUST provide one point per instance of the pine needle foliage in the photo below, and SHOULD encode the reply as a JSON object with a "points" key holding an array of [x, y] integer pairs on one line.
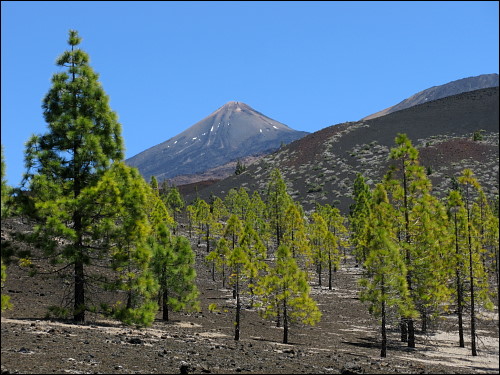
{"points": [[83, 140], [285, 290], [384, 285]]}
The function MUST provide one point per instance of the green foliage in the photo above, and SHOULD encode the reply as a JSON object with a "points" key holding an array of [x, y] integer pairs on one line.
{"points": [[237, 202], [384, 284], [295, 234], [285, 289], [58, 312], [240, 168], [174, 203], [277, 201], [5, 189], [154, 184], [103, 211], [478, 135], [359, 218], [336, 237], [6, 304], [318, 237], [220, 257], [135, 214], [213, 308], [173, 265]]}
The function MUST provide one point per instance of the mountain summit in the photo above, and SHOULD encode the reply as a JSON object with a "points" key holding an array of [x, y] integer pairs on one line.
{"points": [[233, 131]]}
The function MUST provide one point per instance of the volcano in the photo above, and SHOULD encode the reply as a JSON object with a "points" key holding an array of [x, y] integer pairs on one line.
{"points": [[233, 131]]}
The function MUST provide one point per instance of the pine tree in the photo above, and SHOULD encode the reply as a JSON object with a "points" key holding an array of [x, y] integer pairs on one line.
{"points": [[154, 185], [237, 260], [174, 266], [336, 237], [359, 216], [175, 204], [257, 217], [84, 138], [232, 233], [6, 304], [191, 218], [255, 252], [487, 225], [219, 256], [458, 220], [278, 201], [318, 237], [385, 284], [240, 168], [237, 202], [5, 188], [285, 290], [478, 285], [295, 235], [203, 217], [127, 206], [432, 246], [218, 211]]}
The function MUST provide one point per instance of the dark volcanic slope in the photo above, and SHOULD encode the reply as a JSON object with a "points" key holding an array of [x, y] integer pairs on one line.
{"points": [[322, 166], [234, 131], [438, 92]]}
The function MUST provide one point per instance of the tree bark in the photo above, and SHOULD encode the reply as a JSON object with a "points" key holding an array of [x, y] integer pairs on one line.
{"points": [[383, 350]]}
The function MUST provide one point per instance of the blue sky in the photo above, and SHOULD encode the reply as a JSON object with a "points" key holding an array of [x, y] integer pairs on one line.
{"points": [[309, 65]]}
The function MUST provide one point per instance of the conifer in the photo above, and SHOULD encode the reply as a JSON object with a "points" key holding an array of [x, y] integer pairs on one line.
{"points": [[359, 217], [284, 290], [384, 284], [83, 140], [477, 276], [277, 201]]}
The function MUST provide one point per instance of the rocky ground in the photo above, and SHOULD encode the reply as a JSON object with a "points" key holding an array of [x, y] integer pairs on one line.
{"points": [[345, 341]]}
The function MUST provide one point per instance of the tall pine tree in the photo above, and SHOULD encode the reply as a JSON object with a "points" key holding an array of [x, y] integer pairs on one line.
{"points": [[83, 139], [384, 284]]}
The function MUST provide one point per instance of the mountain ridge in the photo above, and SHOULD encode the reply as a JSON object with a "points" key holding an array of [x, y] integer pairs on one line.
{"points": [[441, 91]]}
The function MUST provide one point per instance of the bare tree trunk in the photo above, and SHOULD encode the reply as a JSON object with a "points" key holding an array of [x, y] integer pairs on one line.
{"points": [[238, 308], [383, 350], [285, 323]]}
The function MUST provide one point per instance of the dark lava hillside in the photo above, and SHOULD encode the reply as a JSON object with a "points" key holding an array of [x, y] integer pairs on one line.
{"points": [[322, 166]]}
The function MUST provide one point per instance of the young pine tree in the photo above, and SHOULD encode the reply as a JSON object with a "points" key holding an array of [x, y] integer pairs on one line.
{"points": [[126, 205], [278, 201], [458, 223], [477, 276], [5, 188], [359, 218], [175, 204], [384, 285], [255, 252], [285, 290], [6, 304], [295, 235], [337, 241], [318, 237], [83, 139], [219, 257], [173, 263]]}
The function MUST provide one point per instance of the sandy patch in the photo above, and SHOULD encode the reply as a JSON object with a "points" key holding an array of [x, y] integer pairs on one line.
{"points": [[442, 348]]}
